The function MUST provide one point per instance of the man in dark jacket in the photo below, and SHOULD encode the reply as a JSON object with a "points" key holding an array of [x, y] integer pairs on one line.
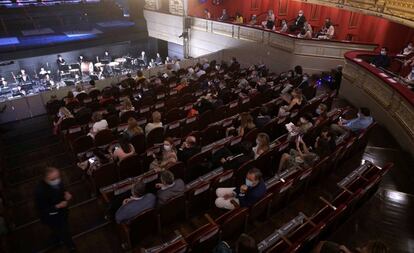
{"points": [[244, 196], [52, 202], [188, 149]]}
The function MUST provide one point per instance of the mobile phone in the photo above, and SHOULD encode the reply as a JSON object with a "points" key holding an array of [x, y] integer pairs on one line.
{"points": [[91, 160]]}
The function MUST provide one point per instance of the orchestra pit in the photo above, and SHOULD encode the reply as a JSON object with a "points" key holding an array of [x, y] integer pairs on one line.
{"points": [[206, 126]]}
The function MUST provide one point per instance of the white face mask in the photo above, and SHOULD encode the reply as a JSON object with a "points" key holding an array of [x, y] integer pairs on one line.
{"points": [[303, 121], [383, 52], [249, 183], [305, 78], [300, 14], [318, 111], [167, 147], [55, 182]]}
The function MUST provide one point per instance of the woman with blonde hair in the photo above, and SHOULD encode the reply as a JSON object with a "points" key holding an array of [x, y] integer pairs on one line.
{"points": [[262, 145], [63, 114], [126, 107], [133, 128], [246, 123]]}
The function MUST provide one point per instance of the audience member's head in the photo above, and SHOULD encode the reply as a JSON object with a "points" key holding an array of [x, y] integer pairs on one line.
{"points": [[263, 141], [245, 244], [140, 74], [322, 109], [138, 190], [384, 51], [96, 116], [246, 120], [168, 144], [156, 117], [166, 177], [92, 83], [264, 111], [51, 175], [305, 119], [253, 177], [190, 141], [124, 143], [70, 95], [127, 104]]}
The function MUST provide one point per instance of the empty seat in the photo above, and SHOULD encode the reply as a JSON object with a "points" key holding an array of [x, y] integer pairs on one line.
{"points": [[232, 223], [130, 167], [172, 211]]}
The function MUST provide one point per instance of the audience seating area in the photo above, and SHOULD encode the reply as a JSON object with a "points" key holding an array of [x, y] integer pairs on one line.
{"points": [[191, 222]]}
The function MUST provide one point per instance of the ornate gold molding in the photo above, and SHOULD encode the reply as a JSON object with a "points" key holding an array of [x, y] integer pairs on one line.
{"points": [[401, 11]]}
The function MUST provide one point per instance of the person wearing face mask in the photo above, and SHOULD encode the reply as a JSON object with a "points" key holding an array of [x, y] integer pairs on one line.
{"points": [[327, 31], [169, 187], [382, 60], [52, 202], [284, 26], [409, 49], [320, 113], [358, 124], [262, 145], [246, 195], [166, 157], [188, 149], [299, 22]]}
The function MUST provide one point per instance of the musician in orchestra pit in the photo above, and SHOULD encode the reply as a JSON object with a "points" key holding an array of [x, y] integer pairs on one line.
{"points": [[327, 31], [144, 58], [80, 60], [106, 57], [23, 78], [167, 60], [43, 73], [299, 22], [158, 59], [3, 82], [60, 61], [152, 64]]}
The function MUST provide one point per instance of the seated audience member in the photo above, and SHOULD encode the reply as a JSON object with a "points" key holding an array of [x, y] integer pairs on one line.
{"points": [[269, 23], [207, 14], [304, 124], [263, 118], [224, 157], [169, 187], [106, 98], [140, 76], [363, 121], [299, 157], [253, 20], [188, 149], [70, 98], [306, 31], [123, 150], [410, 77], [284, 27], [78, 90], [156, 122], [328, 30], [295, 102], [133, 128], [325, 143], [246, 195], [369, 247], [63, 114], [382, 60], [299, 22], [246, 123], [166, 157], [98, 125], [409, 49], [126, 107], [262, 145], [321, 113], [136, 204], [238, 19], [224, 16]]}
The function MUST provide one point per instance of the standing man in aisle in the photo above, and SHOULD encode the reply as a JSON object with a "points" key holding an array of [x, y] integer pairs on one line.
{"points": [[52, 202]]}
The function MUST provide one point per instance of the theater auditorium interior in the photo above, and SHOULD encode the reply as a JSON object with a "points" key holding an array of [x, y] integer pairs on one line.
{"points": [[207, 126]]}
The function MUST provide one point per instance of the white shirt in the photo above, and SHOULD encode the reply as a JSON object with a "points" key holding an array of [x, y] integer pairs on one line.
{"points": [[100, 125], [151, 126]]}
